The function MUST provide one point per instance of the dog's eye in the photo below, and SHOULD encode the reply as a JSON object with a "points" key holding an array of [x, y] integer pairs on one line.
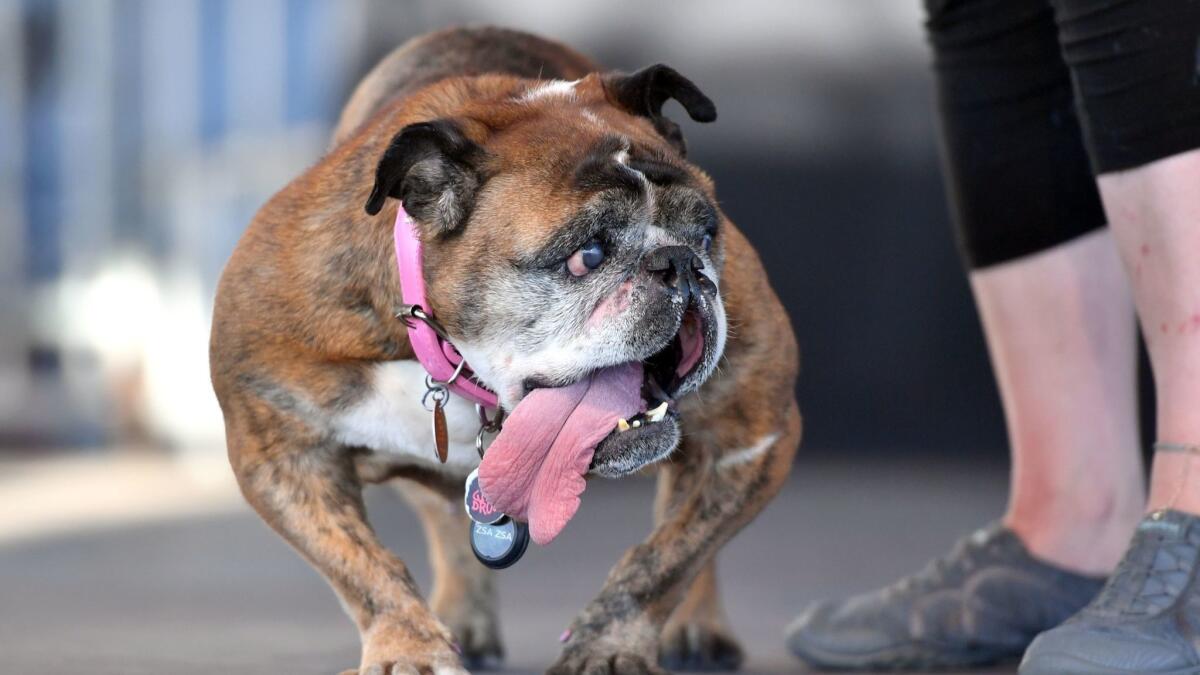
{"points": [[586, 259], [708, 241]]}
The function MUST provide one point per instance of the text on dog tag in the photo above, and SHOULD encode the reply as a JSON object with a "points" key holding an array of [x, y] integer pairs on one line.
{"points": [[500, 545]]}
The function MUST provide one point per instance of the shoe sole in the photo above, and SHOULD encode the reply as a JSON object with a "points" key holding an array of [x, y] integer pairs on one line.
{"points": [[906, 657], [1066, 664]]}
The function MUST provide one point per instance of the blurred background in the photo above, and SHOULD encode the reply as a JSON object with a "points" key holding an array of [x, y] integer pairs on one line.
{"points": [[138, 138]]}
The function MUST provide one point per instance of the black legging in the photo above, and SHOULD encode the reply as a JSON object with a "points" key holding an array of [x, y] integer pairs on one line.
{"points": [[1036, 97]]}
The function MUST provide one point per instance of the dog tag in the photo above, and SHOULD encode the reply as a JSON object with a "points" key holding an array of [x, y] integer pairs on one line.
{"points": [[440, 442], [497, 540], [477, 505], [500, 545]]}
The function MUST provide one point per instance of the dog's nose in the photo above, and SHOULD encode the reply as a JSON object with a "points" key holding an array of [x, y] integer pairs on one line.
{"points": [[673, 263], [677, 266]]}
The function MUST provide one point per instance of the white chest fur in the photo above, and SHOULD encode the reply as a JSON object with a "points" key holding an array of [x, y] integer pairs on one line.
{"points": [[391, 419]]}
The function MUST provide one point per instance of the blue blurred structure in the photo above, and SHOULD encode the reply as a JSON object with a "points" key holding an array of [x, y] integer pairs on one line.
{"points": [[140, 138]]}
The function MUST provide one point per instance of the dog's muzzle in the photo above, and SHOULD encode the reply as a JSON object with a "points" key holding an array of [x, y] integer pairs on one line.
{"points": [[680, 269]]}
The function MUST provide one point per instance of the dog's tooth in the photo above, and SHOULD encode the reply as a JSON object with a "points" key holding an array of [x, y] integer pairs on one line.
{"points": [[622, 424], [636, 424], [658, 413]]}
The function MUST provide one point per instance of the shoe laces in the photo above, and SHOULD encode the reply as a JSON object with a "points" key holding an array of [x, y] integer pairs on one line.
{"points": [[967, 555], [1155, 571]]}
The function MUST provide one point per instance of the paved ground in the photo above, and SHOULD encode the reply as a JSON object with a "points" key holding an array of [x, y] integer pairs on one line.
{"points": [[219, 593]]}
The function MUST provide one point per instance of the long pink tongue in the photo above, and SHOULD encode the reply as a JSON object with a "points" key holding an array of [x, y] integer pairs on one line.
{"points": [[535, 468]]}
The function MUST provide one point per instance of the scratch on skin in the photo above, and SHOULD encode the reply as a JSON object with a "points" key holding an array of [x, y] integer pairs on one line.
{"points": [[1191, 324], [1137, 269]]}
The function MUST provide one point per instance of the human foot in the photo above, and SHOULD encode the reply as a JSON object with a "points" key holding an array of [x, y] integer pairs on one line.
{"points": [[1147, 617], [980, 604]]}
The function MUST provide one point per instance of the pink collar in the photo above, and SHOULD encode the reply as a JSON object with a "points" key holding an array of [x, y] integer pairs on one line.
{"points": [[430, 344]]}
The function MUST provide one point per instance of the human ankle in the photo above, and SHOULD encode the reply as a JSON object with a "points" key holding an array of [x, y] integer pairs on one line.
{"points": [[1086, 533], [1175, 480]]}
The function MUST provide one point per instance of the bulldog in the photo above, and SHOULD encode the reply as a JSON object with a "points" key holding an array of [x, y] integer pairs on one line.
{"points": [[586, 277]]}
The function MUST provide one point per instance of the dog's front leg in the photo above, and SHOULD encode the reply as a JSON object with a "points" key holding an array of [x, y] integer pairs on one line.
{"points": [[464, 592], [716, 495], [310, 493]]}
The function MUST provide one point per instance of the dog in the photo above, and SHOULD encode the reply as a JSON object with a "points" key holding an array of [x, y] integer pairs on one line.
{"points": [[565, 236]]}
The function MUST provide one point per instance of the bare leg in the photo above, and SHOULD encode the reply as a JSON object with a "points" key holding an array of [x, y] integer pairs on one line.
{"points": [[1155, 215], [1143, 621], [1060, 331]]}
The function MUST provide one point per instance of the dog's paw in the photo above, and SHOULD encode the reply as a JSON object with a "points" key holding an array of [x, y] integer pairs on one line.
{"points": [[596, 660], [478, 638], [412, 645], [699, 647], [404, 669], [598, 644]]}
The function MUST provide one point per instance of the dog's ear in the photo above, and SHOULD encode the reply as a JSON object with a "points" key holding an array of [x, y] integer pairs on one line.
{"points": [[644, 92], [434, 169]]}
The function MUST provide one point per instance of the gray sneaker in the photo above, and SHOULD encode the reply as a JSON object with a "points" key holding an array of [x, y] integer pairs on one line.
{"points": [[981, 604], [1147, 618]]}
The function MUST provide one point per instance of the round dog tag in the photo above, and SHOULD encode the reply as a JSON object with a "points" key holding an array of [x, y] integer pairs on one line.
{"points": [[478, 507], [500, 545]]}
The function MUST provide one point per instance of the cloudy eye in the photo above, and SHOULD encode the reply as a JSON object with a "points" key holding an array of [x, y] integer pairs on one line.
{"points": [[708, 241], [586, 259]]}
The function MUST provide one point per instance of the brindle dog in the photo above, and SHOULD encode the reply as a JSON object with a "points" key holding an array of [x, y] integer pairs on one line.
{"points": [[508, 151]]}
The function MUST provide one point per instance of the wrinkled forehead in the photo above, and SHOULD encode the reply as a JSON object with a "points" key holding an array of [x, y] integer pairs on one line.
{"points": [[564, 167]]}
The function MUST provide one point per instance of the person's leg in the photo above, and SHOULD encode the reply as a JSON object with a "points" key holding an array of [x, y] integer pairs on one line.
{"points": [[1137, 79], [1059, 326], [1146, 618], [1056, 309], [1060, 330], [1156, 219]]}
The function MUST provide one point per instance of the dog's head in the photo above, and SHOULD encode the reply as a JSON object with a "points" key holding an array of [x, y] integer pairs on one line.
{"points": [[565, 234]]}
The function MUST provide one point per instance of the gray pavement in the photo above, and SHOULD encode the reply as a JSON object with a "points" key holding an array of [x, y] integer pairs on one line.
{"points": [[222, 594]]}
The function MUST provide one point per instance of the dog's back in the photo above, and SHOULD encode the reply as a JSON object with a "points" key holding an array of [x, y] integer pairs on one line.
{"points": [[455, 52]]}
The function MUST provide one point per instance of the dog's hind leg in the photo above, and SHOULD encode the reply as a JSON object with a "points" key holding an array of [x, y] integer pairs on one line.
{"points": [[464, 595], [717, 488], [697, 636]]}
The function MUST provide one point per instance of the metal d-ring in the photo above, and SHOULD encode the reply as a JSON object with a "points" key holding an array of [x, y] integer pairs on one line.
{"points": [[431, 383], [440, 395], [417, 312], [486, 425], [490, 425], [439, 389]]}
